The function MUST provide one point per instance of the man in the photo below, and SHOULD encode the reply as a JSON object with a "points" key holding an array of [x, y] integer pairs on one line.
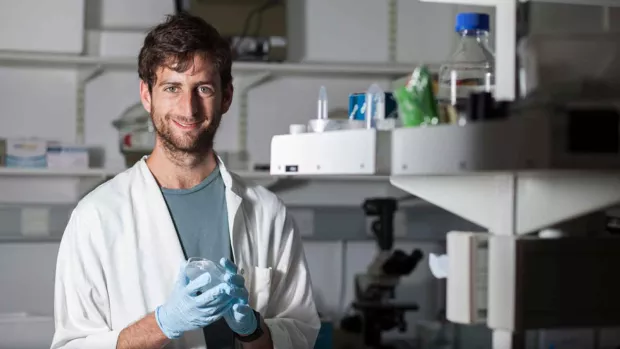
{"points": [[120, 278]]}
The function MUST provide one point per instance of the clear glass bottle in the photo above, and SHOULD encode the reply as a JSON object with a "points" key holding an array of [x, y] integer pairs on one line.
{"points": [[470, 68]]}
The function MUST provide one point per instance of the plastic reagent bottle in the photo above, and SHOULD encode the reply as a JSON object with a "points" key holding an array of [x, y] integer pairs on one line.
{"points": [[375, 105], [470, 68], [322, 104]]}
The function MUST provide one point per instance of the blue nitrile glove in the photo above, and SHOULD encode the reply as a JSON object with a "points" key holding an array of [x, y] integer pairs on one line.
{"points": [[240, 317], [187, 309], [232, 276]]}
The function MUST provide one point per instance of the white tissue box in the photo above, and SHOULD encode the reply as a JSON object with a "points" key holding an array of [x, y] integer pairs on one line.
{"points": [[67, 156]]}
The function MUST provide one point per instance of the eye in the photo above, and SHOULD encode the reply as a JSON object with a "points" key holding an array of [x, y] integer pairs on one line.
{"points": [[172, 89], [205, 90]]}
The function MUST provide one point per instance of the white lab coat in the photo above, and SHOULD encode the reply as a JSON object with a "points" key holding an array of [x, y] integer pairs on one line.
{"points": [[120, 256]]}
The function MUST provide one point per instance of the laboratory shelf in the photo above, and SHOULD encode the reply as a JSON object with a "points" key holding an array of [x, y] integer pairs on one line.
{"points": [[516, 202], [54, 60], [29, 239], [264, 175], [513, 176], [48, 60], [47, 185], [484, 172], [52, 172], [325, 68]]}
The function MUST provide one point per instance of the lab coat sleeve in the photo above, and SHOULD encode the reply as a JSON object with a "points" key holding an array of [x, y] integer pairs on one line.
{"points": [[81, 306], [292, 317]]}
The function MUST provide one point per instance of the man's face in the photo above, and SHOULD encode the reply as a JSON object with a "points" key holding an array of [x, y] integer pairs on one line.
{"points": [[187, 107]]}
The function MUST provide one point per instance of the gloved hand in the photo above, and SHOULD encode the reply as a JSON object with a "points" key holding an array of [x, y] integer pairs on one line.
{"points": [[240, 317], [187, 309]]}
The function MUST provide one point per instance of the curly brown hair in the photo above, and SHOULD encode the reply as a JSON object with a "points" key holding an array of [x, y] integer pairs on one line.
{"points": [[175, 42]]}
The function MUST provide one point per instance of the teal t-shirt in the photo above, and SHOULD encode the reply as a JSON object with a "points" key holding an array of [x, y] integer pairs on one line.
{"points": [[200, 217]]}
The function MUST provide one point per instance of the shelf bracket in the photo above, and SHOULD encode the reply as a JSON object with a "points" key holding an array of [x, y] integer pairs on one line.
{"points": [[248, 82], [84, 77], [393, 30]]}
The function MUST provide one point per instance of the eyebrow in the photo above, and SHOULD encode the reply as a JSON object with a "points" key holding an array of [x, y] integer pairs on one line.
{"points": [[176, 83], [166, 82]]}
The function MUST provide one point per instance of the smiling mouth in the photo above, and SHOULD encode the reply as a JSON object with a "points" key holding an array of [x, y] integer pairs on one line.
{"points": [[186, 125]]}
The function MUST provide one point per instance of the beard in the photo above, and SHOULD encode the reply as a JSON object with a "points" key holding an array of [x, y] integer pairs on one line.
{"points": [[199, 142]]}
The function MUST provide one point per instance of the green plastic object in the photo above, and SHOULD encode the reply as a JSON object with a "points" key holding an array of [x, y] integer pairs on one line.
{"points": [[416, 101]]}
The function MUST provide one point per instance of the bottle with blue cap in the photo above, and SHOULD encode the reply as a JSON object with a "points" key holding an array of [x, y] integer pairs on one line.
{"points": [[470, 68]]}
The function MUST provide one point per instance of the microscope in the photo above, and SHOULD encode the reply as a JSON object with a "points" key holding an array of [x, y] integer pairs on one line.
{"points": [[374, 304]]}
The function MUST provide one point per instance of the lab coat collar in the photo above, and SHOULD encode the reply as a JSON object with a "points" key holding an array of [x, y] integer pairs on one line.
{"points": [[230, 182]]}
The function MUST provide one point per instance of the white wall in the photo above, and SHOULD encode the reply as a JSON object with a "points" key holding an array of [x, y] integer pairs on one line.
{"points": [[37, 103], [27, 277]]}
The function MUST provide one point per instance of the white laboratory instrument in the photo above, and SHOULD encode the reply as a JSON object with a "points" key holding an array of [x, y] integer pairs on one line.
{"points": [[136, 133], [554, 159]]}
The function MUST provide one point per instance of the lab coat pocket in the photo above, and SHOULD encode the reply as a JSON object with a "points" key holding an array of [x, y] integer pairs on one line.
{"points": [[259, 288]]}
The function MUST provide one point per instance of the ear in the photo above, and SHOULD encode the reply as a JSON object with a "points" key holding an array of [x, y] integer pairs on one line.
{"points": [[227, 97], [145, 96]]}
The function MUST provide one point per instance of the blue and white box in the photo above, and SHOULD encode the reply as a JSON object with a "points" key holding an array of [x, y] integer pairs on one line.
{"points": [[357, 106], [29, 153]]}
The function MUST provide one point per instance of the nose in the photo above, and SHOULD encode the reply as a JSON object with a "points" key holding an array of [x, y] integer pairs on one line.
{"points": [[188, 105]]}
